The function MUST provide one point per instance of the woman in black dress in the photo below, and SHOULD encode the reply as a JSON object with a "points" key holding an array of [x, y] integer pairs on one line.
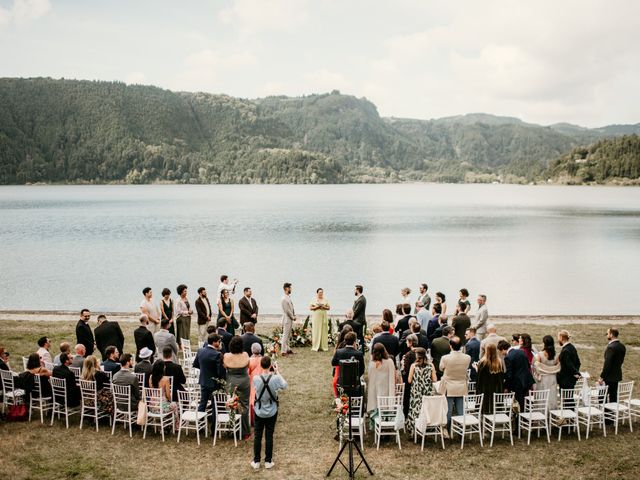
{"points": [[166, 309], [490, 377]]}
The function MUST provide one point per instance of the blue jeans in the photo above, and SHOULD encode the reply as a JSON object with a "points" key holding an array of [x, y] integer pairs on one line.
{"points": [[459, 404]]}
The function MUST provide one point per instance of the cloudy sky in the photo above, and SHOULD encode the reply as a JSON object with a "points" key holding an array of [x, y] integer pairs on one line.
{"points": [[542, 61]]}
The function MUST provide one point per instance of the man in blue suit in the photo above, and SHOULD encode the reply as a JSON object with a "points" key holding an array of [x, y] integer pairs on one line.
{"points": [[209, 361], [472, 348]]}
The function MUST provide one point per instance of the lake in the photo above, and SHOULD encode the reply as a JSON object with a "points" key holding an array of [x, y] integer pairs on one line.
{"points": [[530, 249]]}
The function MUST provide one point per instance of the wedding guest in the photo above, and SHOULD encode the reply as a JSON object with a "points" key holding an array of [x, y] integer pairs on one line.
{"points": [[517, 377], [460, 322], [422, 376], [150, 309], [125, 377], [183, 314], [440, 347], [78, 358], [4, 365], [453, 383], [436, 324], [320, 322], [489, 377], [347, 352], [173, 369], [84, 335], [482, 316], [203, 308], [346, 328], [144, 338], [91, 371], [526, 345], [404, 295], [167, 309], [515, 340], [224, 335], [108, 333], [382, 377], [160, 379], [359, 315], [64, 348], [254, 369], [421, 335], [225, 310], [569, 362], [144, 365], [403, 322], [390, 342], [248, 307], [472, 348], [546, 367], [288, 317], [226, 284], [464, 305], [249, 338], [34, 367], [164, 339], [72, 390], [440, 299], [236, 362], [111, 363], [267, 386], [424, 300], [209, 361], [614, 355], [492, 337], [405, 367], [43, 351]]}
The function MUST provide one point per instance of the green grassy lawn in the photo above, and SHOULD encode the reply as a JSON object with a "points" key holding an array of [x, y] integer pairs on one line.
{"points": [[304, 445]]}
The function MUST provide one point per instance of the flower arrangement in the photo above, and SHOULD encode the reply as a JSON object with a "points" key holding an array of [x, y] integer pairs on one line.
{"points": [[341, 408], [233, 405]]}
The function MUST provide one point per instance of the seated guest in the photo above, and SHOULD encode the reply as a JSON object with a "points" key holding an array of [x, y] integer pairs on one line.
{"points": [[472, 348], [27, 380], [108, 333], [160, 379], [143, 337], [460, 322], [64, 348], [43, 351], [172, 369], [376, 330], [111, 363], [390, 342], [249, 337], [517, 377], [211, 328], [348, 320], [422, 376], [209, 361], [126, 377], [164, 339], [453, 385], [441, 347], [144, 365], [62, 371], [91, 371], [343, 332], [414, 329], [4, 364], [348, 352], [78, 358], [382, 377], [225, 337], [490, 377], [491, 338]]}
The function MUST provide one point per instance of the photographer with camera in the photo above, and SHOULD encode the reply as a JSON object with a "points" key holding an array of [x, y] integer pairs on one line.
{"points": [[267, 386]]}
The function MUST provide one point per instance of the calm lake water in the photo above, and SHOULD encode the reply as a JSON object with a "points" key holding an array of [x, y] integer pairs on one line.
{"points": [[541, 250]]}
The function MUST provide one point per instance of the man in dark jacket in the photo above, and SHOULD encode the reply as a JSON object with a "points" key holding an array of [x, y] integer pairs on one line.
{"points": [[569, 362], [63, 371], [203, 308], [472, 348], [248, 308], [517, 378], [209, 361], [143, 338], [108, 333], [359, 315], [461, 322], [390, 342], [112, 363], [84, 335], [249, 338], [441, 347], [225, 337], [613, 359], [348, 352], [403, 323]]}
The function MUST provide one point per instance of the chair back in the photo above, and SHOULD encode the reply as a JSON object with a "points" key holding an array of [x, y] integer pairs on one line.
{"points": [[625, 390], [471, 387], [7, 381], [140, 377], [388, 408], [186, 347], [538, 401], [400, 390], [122, 397], [472, 404], [77, 371], [356, 407], [580, 383], [59, 389], [88, 391], [503, 403], [188, 401], [598, 396], [37, 387], [109, 375], [570, 398], [153, 397], [220, 403]]}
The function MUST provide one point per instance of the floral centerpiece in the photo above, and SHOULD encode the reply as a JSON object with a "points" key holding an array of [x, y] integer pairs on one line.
{"points": [[341, 408]]}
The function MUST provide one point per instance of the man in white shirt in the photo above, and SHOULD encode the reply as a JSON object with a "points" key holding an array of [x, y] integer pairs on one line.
{"points": [[482, 317], [150, 309], [43, 351], [225, 284], [288, 317]]}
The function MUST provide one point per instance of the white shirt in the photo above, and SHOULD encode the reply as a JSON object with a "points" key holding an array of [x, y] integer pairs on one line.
{"points": [[45, 356], [152, 308], [206, 306], [226, 286]]}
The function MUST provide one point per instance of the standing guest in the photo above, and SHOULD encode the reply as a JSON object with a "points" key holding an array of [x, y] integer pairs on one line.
{"points": [[472, 348], [464, 305], [492, 337], [203, 308], [404, 295], [144, 338], [108, 333], [440, 347], [382, 377], [490, 377], [209, 361], [144, 365], [267, 386], [390, 342], [249, 338], [526, 345], [515, 340], [421, 335], [405, 367], [440, 299], [517, 377], [460, 322], [546, 367], [403, 322], [248, 308], [150, 309], [226, 284], [224, 335], [64, 348], [236, 362], [43, 351], [453, 384], [125, 377], [359, 315], [183, 315], [172, 369], [254, 369], [423, 317], [288, 317], [482, 316], [63, 371], [569, 362], [91, 371], [434, 323], [84, 335], [78, 358], [347, 352], [164, 339], [320, 322], [387, 316], [422, 375], [225, 310], [614, 355], [111, 364], [167, 309], [424, 300]]}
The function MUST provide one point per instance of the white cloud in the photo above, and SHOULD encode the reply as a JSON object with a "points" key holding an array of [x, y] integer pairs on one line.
{"points": [[22, 12], [323, 80], [255, 16], [135, 78]]}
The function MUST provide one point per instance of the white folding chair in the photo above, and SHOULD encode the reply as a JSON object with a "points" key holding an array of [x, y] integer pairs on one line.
{"points": [[190, 417], [500, 420], [435, 429], [77, 371], [399, 392], [224, 421], [620, 410], [140, 377], [470, 421], [156, 416], [471, 388], [89, 406], [357, 421], [122, 411], [186, 348], [60, 402], [592, 411], [109, 377], [385, 422], [10, 394], [567, 415], [37, 400], [535, 414]]}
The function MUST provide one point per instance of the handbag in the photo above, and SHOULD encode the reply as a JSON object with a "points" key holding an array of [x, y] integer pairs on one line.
{"points": [[17, 413], [142, 413]]}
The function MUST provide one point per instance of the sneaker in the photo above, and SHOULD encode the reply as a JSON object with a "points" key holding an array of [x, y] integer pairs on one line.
{"points": [[255, 465], [268, 464]]}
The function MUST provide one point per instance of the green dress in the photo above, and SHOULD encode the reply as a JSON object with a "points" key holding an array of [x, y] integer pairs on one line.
{"points": [[421, 385], [320, 329], [231, 326]]}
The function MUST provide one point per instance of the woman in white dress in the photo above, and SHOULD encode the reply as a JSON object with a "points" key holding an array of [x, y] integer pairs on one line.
{"points": [[546, 366]]}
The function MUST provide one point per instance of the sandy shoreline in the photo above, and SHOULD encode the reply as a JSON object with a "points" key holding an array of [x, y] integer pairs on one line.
{"points": [[272, 319]]}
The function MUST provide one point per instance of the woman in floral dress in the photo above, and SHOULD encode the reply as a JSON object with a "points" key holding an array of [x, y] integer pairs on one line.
{"points": [[422, 375]]}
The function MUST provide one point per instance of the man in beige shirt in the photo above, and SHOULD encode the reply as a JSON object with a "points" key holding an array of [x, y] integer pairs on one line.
{"points": [[453, 384], [492, 338]]}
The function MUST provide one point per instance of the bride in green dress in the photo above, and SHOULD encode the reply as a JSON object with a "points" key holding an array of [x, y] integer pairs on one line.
{"points": [[320, 331]]}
